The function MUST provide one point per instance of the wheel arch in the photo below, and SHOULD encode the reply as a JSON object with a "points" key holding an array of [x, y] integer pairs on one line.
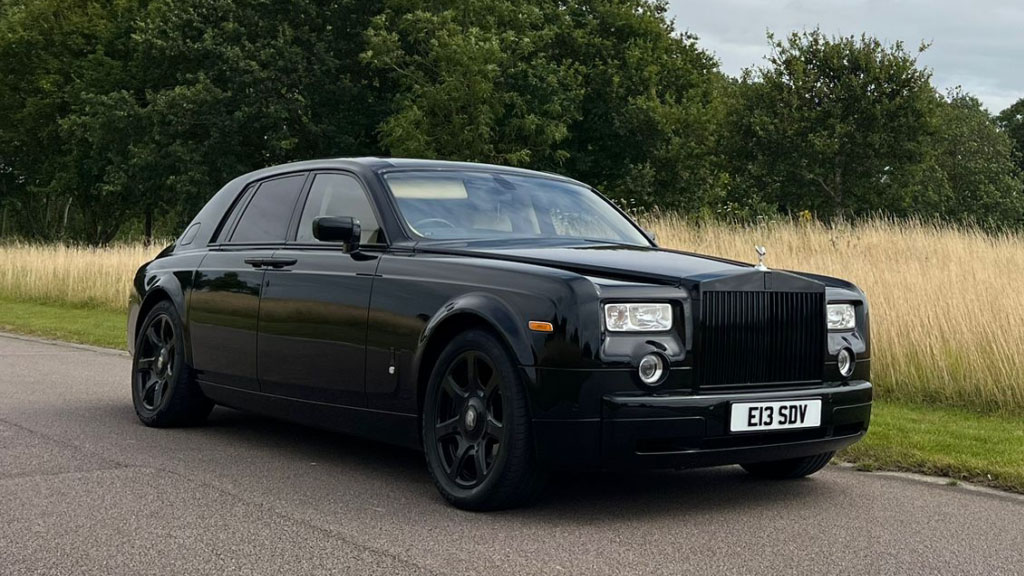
{"points": [[162, 288], [472, 311]]}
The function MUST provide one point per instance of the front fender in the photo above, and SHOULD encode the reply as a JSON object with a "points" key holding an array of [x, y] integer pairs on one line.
{"points": [[491, 310]]}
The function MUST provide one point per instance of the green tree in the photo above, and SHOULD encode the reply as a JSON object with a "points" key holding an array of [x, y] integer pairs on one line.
{"points": [[838, 126], [650, 122], [228, 86], [475, 80], [982, 185], [121, 117], [1011, 121], [49, 51], [603, 90], [123, 110]]}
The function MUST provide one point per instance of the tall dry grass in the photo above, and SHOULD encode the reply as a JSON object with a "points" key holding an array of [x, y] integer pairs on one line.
{"points": [[78, 276], [947, 305]]}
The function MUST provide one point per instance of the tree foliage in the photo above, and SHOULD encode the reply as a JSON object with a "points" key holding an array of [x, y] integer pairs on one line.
{"points": [[980, 183], [1011, 121], [121, 117], [477, 80], [838, 127]]}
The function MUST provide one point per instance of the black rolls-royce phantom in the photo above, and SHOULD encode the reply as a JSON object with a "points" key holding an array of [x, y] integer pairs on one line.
{"points": [[504, 321]]}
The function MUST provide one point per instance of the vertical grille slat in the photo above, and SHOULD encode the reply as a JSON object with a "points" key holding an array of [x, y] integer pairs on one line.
{"points": [[752, 338]]}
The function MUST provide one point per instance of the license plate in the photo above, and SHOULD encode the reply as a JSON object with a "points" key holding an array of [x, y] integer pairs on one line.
{"points": [[785, 415]]}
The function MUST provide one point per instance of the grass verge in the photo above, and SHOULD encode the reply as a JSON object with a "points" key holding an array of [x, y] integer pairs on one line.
{"points": [[949, 442], [962, 445], [98, 327]]}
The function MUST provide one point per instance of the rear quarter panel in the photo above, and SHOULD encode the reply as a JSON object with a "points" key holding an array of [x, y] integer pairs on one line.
{"points": [[169, 276]]}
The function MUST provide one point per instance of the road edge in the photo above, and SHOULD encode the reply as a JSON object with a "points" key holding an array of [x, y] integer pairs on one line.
{"points": [[62, 343], [943, 481]]}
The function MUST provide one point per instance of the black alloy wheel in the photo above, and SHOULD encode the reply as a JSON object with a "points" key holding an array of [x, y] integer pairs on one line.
{"points": [[468, 424], [476, 428], [164, 391], [156, 360]]}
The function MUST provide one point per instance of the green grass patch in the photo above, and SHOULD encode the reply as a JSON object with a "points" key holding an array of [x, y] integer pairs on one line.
{"points": [[98, 327], [957, 443]]}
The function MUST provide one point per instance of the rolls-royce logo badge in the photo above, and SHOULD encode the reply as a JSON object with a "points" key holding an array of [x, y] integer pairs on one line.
{"points": [[760, 258]]}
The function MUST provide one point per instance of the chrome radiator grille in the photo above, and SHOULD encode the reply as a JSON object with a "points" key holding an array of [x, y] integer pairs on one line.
{"points": [[751, 338]]}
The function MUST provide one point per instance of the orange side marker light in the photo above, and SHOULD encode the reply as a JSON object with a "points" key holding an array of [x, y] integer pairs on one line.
{"points": [[541, 326]]}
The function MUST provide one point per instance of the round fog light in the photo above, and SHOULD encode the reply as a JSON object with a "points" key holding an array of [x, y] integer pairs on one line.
{"points": [[845, 362], [651, 369]]}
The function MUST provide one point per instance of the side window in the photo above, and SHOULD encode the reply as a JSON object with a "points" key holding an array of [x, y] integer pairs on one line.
{"points": [[339, 195], [266, 217], [224, 227], [189, 234]]}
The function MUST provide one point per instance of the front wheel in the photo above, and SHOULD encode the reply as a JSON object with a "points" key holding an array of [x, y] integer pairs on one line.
{"points": [[476, 426], [788, 469], [163, 390]]}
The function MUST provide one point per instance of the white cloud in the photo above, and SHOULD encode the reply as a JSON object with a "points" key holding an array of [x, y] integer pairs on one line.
{"points": [[976, 44]]}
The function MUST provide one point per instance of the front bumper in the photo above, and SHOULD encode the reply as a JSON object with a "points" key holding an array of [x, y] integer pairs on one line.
{"points": [[691, 430]]}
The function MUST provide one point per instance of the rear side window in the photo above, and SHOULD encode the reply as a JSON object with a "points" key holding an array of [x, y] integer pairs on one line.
{"points": [[267, 216], [339, 195], [189, 235]]}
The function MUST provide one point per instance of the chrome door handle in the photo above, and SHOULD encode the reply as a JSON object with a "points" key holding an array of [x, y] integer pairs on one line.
{"points": [[279, 263]]}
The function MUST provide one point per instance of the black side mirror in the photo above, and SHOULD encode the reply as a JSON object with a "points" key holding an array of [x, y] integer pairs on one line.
{"points": [[338, 229]]}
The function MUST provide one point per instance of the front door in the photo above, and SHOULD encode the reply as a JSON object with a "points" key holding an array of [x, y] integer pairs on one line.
{"points": [[312, 341], [225, 301]]}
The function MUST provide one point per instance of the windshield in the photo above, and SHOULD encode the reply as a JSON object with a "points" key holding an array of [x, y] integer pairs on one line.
{"points": [[457, 205]]}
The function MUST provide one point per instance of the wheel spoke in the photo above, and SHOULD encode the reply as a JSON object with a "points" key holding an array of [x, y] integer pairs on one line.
{"points": [[167, 331], [494, 428], [154, 339], [472, 378], [145, 363], [446, 428], [459, 461], [492, 386], [158, 392], [147, 389], [453, 389], [170, 361], [480, 461]]}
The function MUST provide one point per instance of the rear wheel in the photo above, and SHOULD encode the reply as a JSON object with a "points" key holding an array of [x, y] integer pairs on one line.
{"points": [[788, 469], [164, 391], [476, 426]]}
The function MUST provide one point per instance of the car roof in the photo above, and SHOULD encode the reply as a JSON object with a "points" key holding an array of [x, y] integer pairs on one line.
{"points": [[220, 204], [384, 164]]}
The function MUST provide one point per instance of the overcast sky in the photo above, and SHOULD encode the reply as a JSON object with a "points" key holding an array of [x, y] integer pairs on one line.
{"points": [[977, 44]]}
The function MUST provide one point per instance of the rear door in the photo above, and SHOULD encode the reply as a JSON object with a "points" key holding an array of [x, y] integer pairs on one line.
{"points": [[312, 341], [225, 301]]}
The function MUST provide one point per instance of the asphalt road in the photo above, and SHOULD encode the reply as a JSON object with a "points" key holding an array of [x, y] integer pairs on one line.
{"points": [[86, 489]]}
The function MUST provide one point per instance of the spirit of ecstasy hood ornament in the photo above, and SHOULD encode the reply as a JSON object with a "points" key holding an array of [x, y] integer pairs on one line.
{"points": [[760, 258]]}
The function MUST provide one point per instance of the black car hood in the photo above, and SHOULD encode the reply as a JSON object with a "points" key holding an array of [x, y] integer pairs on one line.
{"points": [[635, 263]]}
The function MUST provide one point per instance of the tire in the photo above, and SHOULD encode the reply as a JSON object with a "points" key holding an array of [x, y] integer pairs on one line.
{"points": [[164, 390], [486, 461], [789, 469]]}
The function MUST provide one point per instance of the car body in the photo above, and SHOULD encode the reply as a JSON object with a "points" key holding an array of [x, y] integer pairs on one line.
{"points": [[345, 336]]}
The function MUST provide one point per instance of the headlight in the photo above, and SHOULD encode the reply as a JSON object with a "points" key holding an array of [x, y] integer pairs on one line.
{"points": [[638, 317], [841, 317]]}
